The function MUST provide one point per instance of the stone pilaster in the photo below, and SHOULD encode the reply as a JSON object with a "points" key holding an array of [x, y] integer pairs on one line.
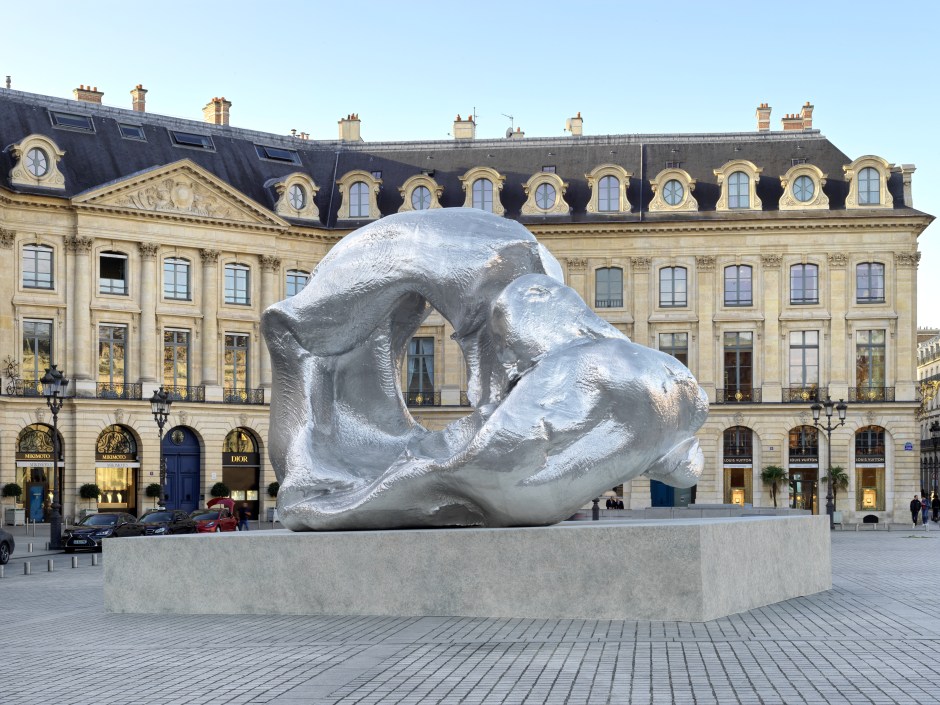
{"points": [[149, 284], [641, 300], [773, 346], [79, 303], [840, 344], [7, 289], [704, 295], [270, 266], [905, 344], [210, 323]]}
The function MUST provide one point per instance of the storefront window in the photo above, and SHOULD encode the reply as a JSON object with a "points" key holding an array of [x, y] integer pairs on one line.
{"points": [[115, 468], [870, 489], [738, 486]]}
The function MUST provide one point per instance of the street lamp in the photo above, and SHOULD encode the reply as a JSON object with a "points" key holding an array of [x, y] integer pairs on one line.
{"points": [[54, 385], [841, 408], [160, 406]]}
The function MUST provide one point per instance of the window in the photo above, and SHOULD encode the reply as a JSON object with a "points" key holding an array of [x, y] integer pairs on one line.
{"points": [[738, 486], [804, 284], [296, 280], [176, 284], [737, 285], [112, 353], [870, 283], [37, 267], [738, 191], [359, 200], [112, 273], [869, 489], [483, 195], [37, 352], [870, 443], [738, 452], [277, 154], [675, 344], [738, 442], [420, 380], [236, 362], [672, 287], [804, 189], [673, 192], [545, 196], [804, 359], [738, 349], [37, 162], [869, 187], [804, 444], [608, 194], [132, 132], [176, 359], [869, 360], [192, 140], [421, 198], [237, 284], [608, 287], [376, 175], [548, 169], [297, 196], [70, 121]]}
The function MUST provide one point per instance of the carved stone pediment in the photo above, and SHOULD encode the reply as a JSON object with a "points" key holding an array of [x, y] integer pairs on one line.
{"points": [[179, 189]]}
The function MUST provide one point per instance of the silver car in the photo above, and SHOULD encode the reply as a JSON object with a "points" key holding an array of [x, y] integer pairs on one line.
{"points": [[7, 544]]}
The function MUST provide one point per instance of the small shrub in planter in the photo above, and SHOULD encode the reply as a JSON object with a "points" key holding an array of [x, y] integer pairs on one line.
{"points": [[11, 489], [153, 491], [220, 489], [89, 491], [273, 489]]}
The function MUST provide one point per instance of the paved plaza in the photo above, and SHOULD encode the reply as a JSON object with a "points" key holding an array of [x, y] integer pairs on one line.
{"points": [[873, 638]]}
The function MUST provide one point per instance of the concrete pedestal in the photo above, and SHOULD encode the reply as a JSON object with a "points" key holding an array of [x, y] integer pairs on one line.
{"points": [[687, 570]]}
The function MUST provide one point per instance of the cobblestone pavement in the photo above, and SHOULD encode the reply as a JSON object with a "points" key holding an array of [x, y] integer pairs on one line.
{"points": [[873, 638]]}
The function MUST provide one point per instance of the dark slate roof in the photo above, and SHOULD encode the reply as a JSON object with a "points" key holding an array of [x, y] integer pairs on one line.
{"points": [[94, 159]]}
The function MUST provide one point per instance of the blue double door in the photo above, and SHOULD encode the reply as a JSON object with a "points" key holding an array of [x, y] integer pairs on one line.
{"points": [[183, 477], [662, 495]]}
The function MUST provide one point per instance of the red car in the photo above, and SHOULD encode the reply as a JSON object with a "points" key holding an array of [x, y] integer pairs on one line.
{"points": [[219, 515]]}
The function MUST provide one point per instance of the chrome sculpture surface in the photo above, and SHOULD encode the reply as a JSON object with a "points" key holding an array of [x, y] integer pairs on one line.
{"points": [[565, 406]]}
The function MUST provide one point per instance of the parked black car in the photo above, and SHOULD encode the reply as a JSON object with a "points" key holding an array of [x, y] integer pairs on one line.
{"points": [[7, 544], [88, 534], [167, 521]]}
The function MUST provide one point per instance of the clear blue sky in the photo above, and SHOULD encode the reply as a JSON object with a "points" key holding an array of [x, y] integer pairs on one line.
{"points": [[407, 68]]}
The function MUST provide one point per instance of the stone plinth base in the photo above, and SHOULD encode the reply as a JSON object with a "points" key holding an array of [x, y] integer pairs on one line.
{"points": [[688, 570]]}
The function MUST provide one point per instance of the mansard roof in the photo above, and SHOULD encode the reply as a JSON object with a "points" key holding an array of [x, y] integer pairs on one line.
{"points": [[93, 159]]}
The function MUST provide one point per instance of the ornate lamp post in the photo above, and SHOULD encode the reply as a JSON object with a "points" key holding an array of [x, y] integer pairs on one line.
{"points": [[54, 385], [160, 406], [841, 408]]}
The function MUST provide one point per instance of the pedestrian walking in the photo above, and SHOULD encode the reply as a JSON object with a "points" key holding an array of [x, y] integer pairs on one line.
{"points": [[915, 511], [925, 508], [244, 514], [935, 505]]}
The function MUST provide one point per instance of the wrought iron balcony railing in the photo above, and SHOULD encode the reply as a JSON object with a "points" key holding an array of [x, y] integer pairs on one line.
{"points": [[423, 398], [242, 396], [738, 396], [25, 388], [107, 390], [871, 394], [608, 303], [183, 393], [800, 394], [464, 399]]}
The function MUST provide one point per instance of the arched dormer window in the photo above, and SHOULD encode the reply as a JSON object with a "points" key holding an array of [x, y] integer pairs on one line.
{"points": [[738, 180], [546, 195], [803, 189], [482, 186], [295, 197], [608, 184], [37, 163], [868, 183], [420, 193], [672, 191], [359, 190]]}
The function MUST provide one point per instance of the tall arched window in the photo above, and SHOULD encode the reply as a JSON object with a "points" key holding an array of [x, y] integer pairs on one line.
{"points": [[608, 195], [804, 284], [359, 200], [870, 469], [608, 287], [483, 195], [804, 444], [869, 187], [738, 285], [738, 455], [738, 190]]}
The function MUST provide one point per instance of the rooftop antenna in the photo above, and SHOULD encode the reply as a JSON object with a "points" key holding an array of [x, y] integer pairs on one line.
{"points": [[511, 125]]}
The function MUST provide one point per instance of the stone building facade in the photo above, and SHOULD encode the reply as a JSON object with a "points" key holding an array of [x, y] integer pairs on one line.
{"points": [[144, 248]]}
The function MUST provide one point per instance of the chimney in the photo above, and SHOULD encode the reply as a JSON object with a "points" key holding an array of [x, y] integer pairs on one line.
{"points": [[464, 129], [216, 111], [763, 117], [88, 94], [791, 122], [907, 171], [139, 98], [806, 114], [518, 134], [348, 129], [575, 125]]}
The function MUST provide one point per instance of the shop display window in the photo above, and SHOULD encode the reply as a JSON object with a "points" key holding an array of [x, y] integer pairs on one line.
{"points": [[870, 489], [738, 486]]}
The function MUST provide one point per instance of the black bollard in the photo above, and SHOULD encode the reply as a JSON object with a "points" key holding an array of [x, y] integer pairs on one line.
{"points": [[596, 510]]}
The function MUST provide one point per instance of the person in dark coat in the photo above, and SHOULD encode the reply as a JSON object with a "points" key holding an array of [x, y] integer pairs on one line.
{"points": [[935, 505], [915, 511]]}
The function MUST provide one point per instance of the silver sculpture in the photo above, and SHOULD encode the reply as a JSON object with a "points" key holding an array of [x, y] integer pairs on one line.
{"points": [[565, 406]]}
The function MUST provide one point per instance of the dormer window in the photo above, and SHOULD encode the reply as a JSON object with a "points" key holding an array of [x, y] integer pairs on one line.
{"points": [[545, 191], [868, 183], [277, 154], [608, 184], [803, 188], [481, 188], [738, 190], [672, 191], [738, 182], [359, 190], [869, 187], [420, 193], [37, 163], [296, 193]]}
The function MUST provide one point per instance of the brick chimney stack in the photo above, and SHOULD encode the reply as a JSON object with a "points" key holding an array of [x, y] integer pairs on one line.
{"points": [[349, 128], [806, 114], [763, 117], [216, 111], [464, 129], [88, 94], [575, 125], [139, 98], [518, 134], [791, 122]]}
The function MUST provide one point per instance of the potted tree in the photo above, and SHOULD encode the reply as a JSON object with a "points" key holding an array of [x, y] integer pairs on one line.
{"points": [[220, 489], [775, 476], [272, 493], [89, 491], [13, 515], [153, 491]]}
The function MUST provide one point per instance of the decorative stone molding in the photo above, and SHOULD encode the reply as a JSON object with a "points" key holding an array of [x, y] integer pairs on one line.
{"points": [[752, 172], [705, 263], [838, 261], [78, 245], [641, 264], [119, 415], [270, 263], [817, 201], [148, 250], [243, 420], [178, 194], [771, 261], [576, 264], [40, 414], [594, 180], [184, 418], [851, 175], [687, 201], [6, 239], [345, 185], [483, 172], [739, 419], [907, 260], [295, 197], [209, 257], [51, 177], [408, 188], [558, 205]]}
